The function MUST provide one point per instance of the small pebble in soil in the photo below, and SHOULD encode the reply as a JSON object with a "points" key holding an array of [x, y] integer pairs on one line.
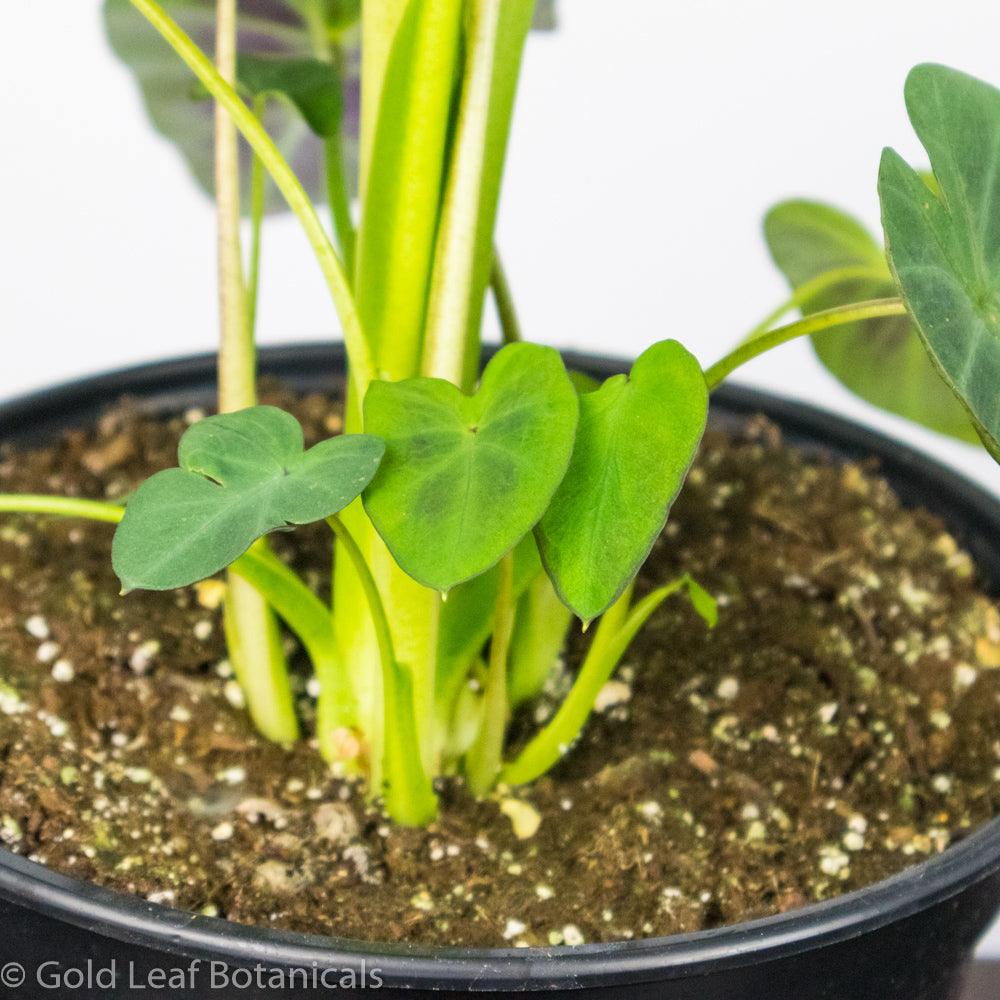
{"points": [[47, 651], [513, 928], [728, 689], [965, 676], [834, 862], [524, 818], [650, 811], [335, 822], [940, 719], [941, 783], [203, 630], [613, 693], [142, 656], [234, 694], [572, 936], [210, 593], [37, 627], [223, 831], [422, 901], [853, 841], [62, 671]]}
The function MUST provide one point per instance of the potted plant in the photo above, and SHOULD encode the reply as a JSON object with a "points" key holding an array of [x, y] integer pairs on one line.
{"points": [[467, 795]]}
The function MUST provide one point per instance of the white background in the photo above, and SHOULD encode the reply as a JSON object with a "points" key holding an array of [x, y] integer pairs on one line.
{"points": [[650, 139]]}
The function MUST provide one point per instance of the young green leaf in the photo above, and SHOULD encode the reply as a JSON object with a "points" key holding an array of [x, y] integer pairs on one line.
{"points": [[241, 475], [816, 246], [614, 635], [310, 85], [637, 437], [945, 251], [467, 620], [465, 478]]}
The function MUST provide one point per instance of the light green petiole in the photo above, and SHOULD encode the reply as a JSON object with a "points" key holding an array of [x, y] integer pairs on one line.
{"points": [[510, 325], [827, 320], [34, 503], [485, 758], [258, 199], [814, 287]]}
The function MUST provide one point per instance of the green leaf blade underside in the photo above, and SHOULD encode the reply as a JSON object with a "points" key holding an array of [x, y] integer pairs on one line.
{"points": [[808, 240], [311, 86], [465, 478], [636, 440], [241, 476], [267, 28], [945, 251]]}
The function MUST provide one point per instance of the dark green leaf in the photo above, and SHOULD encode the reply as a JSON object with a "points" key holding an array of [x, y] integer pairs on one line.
{"points": [[312, 86], [241, 475], [808, 240], [945, 251], [465, 478], [637, 437], [271, 28]]}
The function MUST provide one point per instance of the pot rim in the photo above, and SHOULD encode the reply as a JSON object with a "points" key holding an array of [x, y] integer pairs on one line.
{"points": [[165, 384]]}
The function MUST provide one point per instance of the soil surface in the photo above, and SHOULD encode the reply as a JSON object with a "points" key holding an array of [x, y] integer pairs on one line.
{"points": [[841, 723]]}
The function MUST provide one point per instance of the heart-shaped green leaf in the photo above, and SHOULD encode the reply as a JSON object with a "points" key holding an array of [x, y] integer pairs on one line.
{"points": [[312, 86], [945, 251], [241, 475], [811, 242], [465, 478], [637, 437]]}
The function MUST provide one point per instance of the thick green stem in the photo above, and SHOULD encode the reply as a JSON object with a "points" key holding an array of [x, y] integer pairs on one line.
{"points": [[411, 53], [380, 21], [464, 254], [362, 367], [409, 794], [510, 326], [809, 290], [404, 182], [830, 318], [485, 758]]}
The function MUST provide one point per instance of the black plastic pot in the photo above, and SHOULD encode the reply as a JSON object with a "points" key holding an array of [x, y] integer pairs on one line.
{"points": [[904, 939]]}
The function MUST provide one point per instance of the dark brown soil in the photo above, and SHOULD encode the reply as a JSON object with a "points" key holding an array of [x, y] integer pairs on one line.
{"points": [[841, 723]]}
